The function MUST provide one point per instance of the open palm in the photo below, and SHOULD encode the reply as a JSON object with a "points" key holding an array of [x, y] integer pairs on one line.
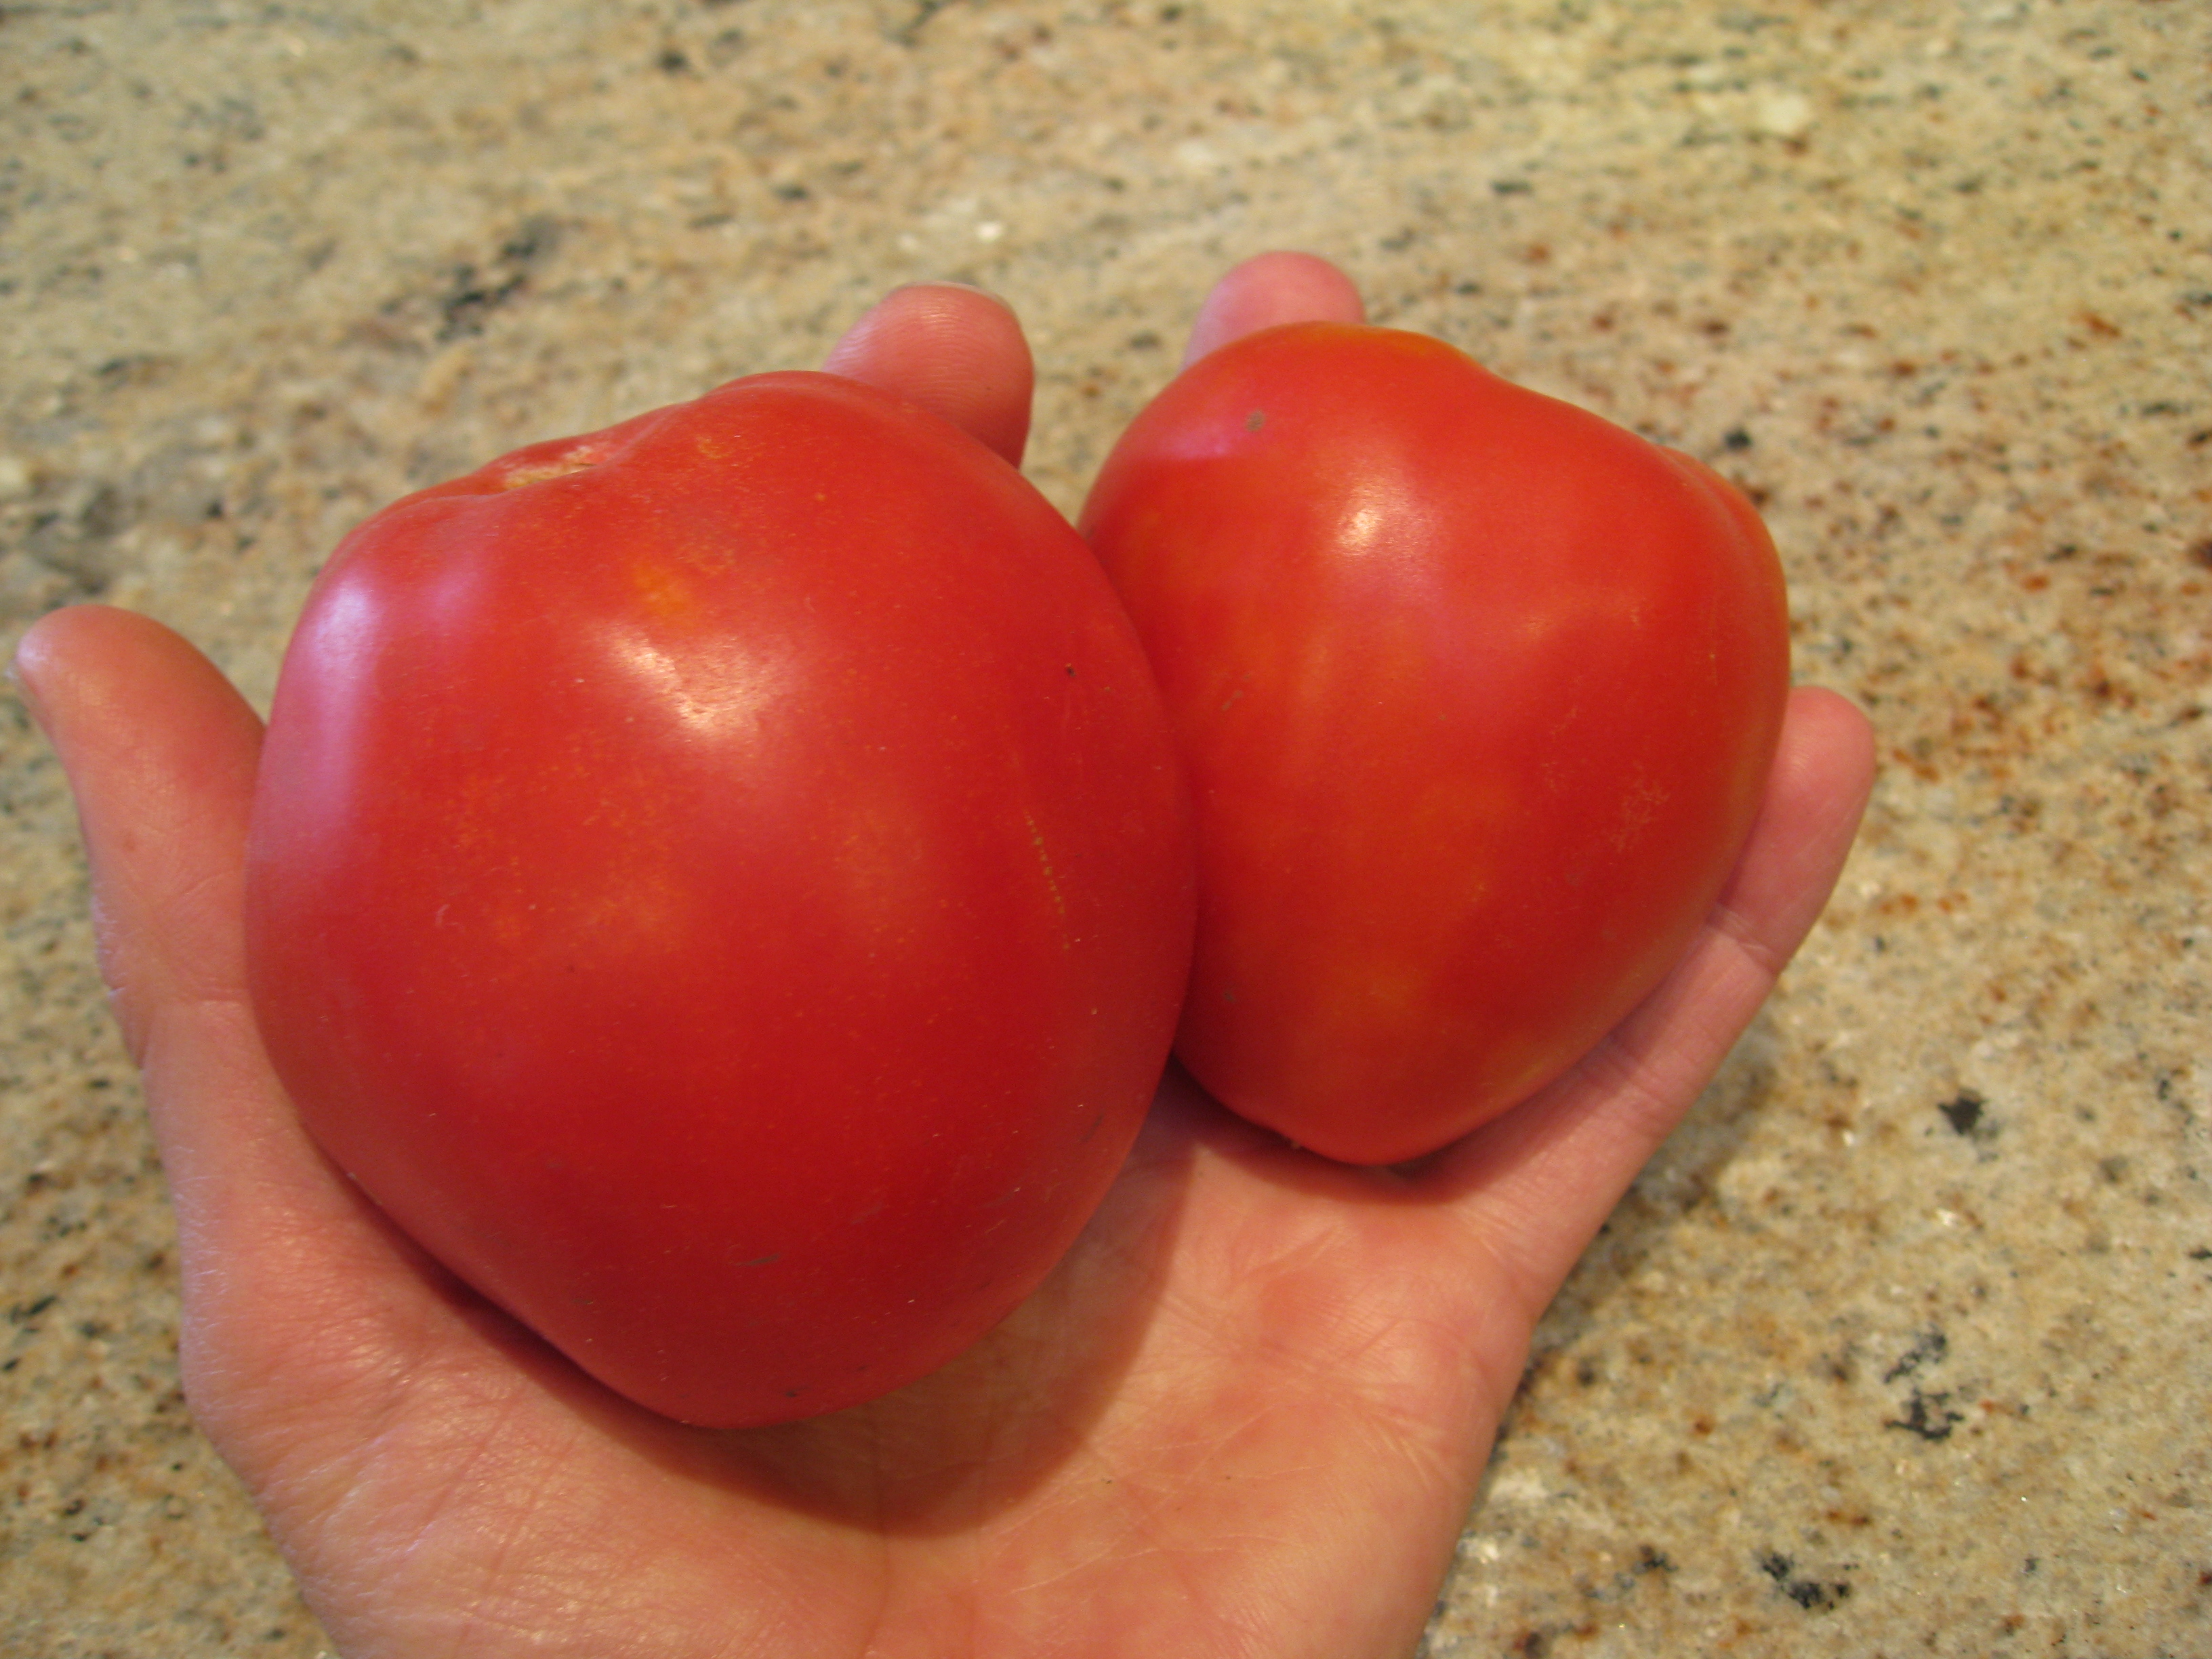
{"points": [[1244, 1416]]}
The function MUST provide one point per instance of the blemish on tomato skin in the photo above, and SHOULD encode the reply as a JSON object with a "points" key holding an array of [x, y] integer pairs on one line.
{"points": [[581, 458], [1044, 863]]}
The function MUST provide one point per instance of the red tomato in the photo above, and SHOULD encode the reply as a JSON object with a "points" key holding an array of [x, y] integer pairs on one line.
{"points": [[723, 885], [1477, 694]]}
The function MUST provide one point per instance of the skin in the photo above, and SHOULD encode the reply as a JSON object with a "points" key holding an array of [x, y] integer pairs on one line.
{"points": [[1245, 1417]]}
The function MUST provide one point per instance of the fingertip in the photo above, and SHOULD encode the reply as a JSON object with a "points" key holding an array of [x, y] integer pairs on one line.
{"points": [[1827, 757], [160, 752], [1269, 288], [1816, 795], [1830, 724], [34, 667], [103, 681], [958, 351]]}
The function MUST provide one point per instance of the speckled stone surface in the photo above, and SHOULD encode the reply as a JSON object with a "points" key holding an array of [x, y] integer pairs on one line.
{"points": [[1904, 1345]]}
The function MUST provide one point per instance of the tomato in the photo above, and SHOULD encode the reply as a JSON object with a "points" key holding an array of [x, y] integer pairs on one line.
{"points": [[1477, 693], [723, 886]]}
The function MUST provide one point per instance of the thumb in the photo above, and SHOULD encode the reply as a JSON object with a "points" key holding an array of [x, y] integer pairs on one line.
{"points": [[291, 1282], [160, 752]]}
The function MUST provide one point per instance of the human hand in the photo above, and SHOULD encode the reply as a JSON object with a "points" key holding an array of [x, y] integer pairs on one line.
{"points": [[1245, 1415]]}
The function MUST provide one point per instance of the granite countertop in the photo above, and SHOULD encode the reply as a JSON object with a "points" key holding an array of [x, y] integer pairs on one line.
{"points": [[1904, 1344]]}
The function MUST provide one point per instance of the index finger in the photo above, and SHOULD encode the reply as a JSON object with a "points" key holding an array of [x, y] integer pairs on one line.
{"points": [[1270, 289]]}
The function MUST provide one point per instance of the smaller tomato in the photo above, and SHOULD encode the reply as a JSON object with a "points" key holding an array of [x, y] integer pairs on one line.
{"points": [[1477, 693]]}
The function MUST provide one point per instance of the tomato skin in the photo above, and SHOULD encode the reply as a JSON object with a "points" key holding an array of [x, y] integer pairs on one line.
{"points": [[1477, 693], [723, 886]]}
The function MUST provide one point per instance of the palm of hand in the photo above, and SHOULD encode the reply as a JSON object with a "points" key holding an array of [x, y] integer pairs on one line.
{"points": [[1244, 1417], [1254, 1377]]}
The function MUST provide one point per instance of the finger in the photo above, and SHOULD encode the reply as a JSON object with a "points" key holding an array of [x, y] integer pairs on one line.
{"points": [[1538, 1182], [1270, 289], [956, 350], [161, 753]]}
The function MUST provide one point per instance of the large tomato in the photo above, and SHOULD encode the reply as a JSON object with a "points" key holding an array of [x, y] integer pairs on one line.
{"points": [[1477, 693], [723, 885]]}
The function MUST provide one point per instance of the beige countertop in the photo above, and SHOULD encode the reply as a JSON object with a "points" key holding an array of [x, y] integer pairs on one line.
{"points": [[1904, 1344]]}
